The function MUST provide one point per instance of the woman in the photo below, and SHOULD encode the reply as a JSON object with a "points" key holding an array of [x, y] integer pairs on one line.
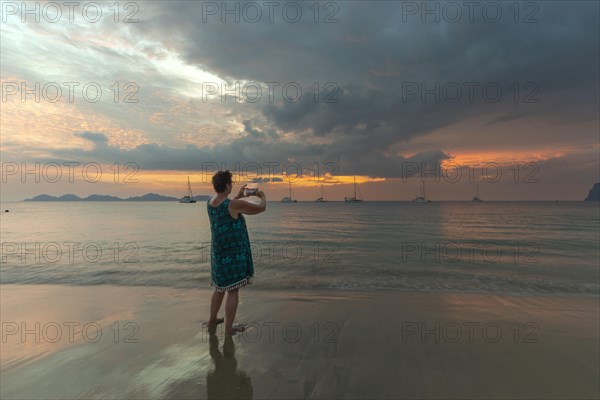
{"points": [[231, 257]]}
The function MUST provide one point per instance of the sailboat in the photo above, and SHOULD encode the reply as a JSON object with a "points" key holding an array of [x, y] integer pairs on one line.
{"points": [[321, 199], [189, 198], [476, 198], [354, 199], [289, 199], [421, 198]]}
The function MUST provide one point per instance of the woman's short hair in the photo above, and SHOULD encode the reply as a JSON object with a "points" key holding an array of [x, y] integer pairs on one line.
{"points": [[220, 180]]}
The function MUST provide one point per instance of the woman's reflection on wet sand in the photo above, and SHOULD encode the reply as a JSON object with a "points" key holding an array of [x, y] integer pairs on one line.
{"points": [[226, 381]]}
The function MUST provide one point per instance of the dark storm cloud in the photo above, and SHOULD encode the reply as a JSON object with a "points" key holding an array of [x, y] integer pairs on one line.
{"points": [[372, 46], [93, 137], [246, 152], [375, 61], [266, 180], [371, 54], [256, 134]]}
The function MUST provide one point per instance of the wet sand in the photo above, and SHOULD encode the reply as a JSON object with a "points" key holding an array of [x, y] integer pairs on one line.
{"points": [[148, 342]]}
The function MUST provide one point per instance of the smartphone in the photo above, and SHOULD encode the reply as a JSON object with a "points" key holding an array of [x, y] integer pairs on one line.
{"points": [[251, 191]]}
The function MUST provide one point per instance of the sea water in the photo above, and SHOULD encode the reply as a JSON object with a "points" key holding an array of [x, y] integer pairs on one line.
{"points": [[497, 247]]}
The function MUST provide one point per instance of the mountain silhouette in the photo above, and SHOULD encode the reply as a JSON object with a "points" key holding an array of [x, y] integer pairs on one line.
{"points": [[594, 194], [105, 197]]}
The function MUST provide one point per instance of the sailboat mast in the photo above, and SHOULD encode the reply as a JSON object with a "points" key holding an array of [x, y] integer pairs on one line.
{"points": [[355, 187], [322, 191], [290, 182], [189, 188]]}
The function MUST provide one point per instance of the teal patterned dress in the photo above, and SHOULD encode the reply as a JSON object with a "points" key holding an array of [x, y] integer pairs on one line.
{"points": [[230, 255]]}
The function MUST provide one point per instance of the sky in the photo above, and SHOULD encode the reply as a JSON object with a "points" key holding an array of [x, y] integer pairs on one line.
{"points": [[126, 98]]}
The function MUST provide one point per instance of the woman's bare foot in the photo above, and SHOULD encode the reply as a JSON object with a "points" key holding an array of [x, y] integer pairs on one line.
{"points": [[215, 322], [235, 329], [212, 325]]}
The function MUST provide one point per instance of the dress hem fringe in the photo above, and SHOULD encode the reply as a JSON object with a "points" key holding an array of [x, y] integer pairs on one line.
{"points": [[244, 282]]}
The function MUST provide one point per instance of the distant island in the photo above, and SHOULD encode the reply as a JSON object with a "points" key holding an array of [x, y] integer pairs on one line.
{"points": [[594, 194], [105, 197]]}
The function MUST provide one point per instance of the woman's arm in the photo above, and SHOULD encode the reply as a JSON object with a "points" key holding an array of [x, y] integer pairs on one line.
{"points": [[245, 207]]}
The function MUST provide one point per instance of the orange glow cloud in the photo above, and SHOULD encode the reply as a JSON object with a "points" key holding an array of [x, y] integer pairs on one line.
{"points": [[52, 125]]}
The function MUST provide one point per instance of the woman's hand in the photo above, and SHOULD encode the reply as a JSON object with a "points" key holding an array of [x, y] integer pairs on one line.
{"points": [[241, 193], [249, 208]]}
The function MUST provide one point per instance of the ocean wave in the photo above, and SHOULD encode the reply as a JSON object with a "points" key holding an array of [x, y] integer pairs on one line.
{"points": [[422, 282]]}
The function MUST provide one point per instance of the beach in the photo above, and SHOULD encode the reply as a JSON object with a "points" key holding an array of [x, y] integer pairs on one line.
{"points": [[149, 342], [406, 193]]}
